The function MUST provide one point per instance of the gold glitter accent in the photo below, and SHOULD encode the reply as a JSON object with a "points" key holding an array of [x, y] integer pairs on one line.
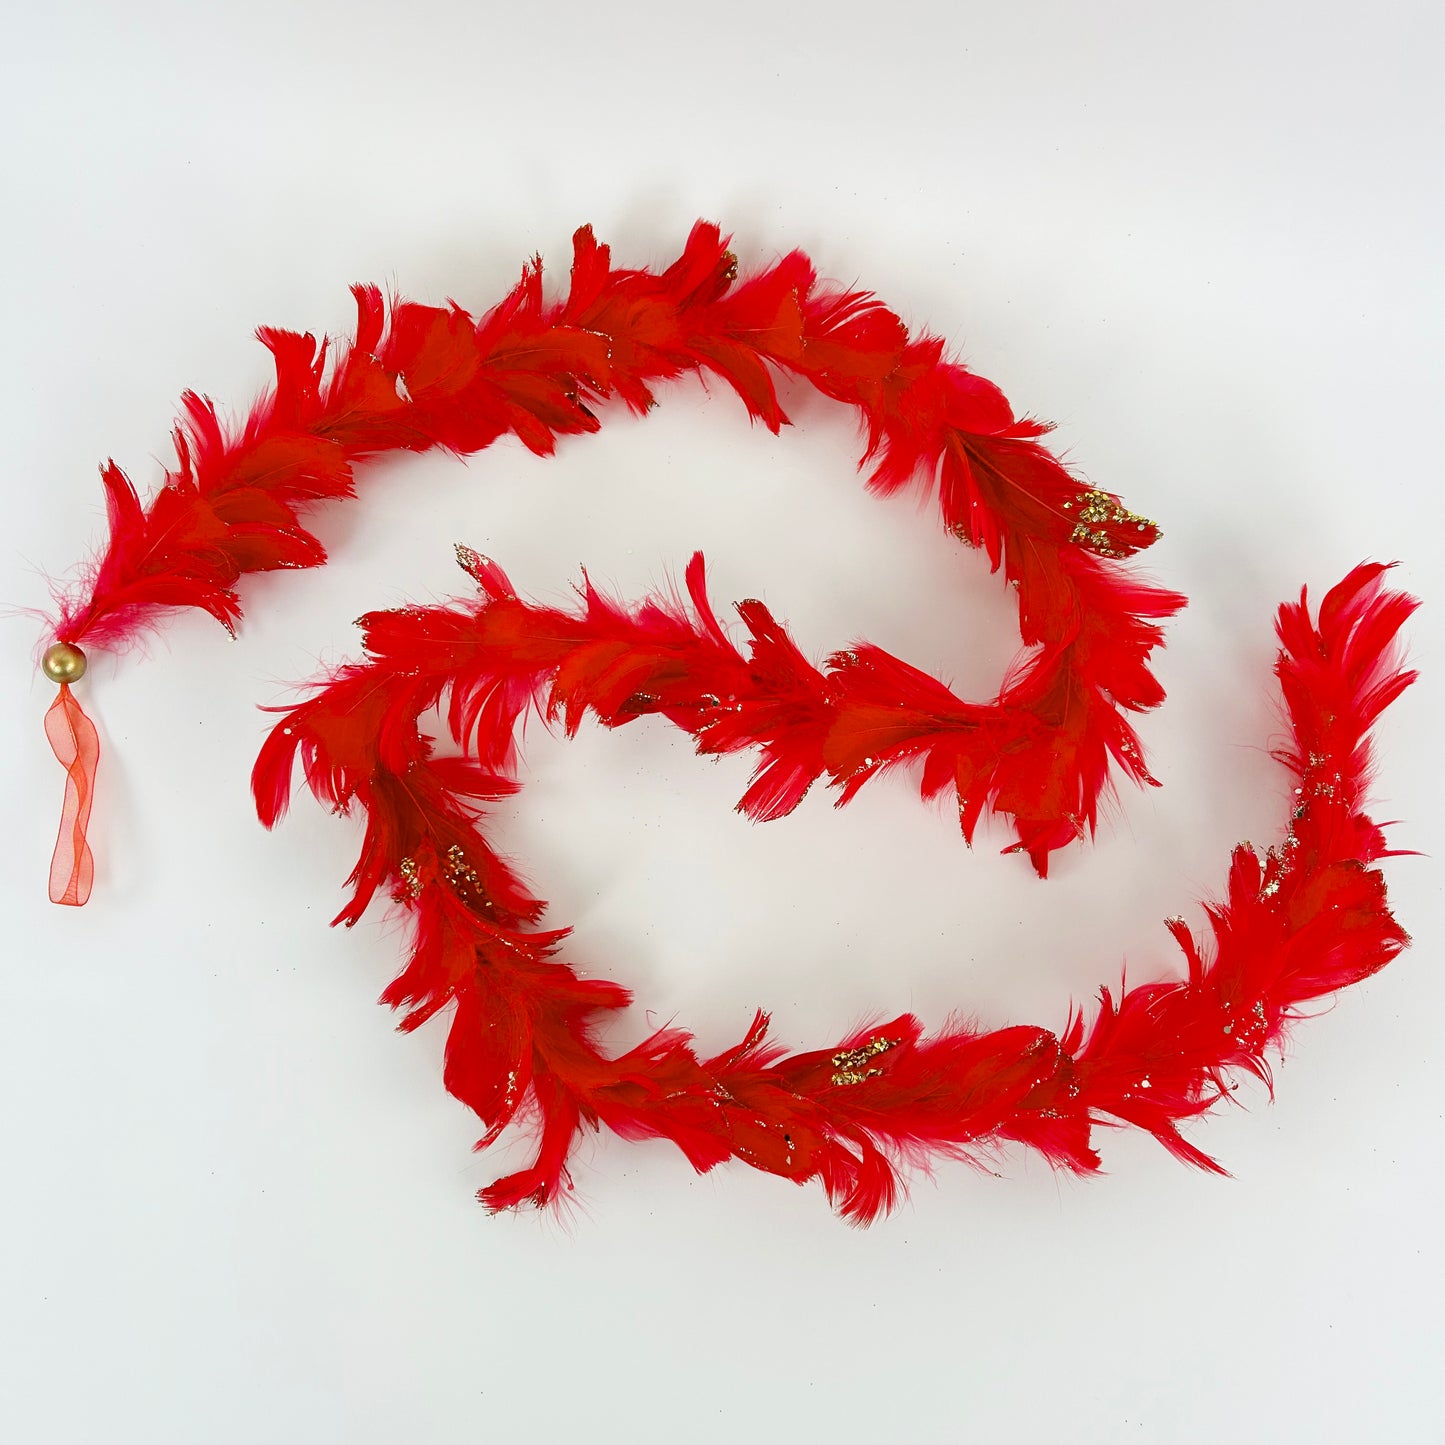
{"points": [[1096, 507], [848, 1066], [470, 561], [461, 875], [408, 870], [1312, 785]]}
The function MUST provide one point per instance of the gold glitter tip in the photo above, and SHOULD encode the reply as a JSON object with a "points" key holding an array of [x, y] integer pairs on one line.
{"points": [[1096, 507], [469, 560], [408, 870], [461, 875], [848, 1066]]}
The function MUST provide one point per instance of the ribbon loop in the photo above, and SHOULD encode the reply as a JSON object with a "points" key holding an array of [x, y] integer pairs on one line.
{"points": [[76, 745]]}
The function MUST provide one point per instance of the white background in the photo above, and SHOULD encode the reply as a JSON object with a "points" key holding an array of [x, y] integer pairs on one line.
{"points": [[1205, 240]]}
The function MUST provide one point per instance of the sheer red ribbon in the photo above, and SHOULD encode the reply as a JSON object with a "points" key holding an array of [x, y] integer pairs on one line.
{"points": [[77, 748]]}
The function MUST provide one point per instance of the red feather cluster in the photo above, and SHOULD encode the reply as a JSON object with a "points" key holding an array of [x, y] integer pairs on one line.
{"points": [[416, 377], [1305, 920]]}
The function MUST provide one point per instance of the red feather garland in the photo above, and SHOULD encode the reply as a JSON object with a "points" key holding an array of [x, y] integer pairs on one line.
{"points": [[1307, 919], [1299, 923], [416, 377]]}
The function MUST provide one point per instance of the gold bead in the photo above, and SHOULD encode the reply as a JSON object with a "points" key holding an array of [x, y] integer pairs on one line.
{"points": [[63, 663]]}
